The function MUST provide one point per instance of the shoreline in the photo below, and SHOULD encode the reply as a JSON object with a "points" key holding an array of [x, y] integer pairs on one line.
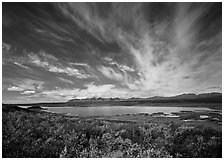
{"points": [[217, 106]]}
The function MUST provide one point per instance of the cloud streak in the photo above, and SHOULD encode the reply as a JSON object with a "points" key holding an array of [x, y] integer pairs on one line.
{"points": [[28, 92], [51, 64]]}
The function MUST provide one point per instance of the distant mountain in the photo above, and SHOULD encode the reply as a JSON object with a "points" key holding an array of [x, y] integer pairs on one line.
{"points": [[191, 97], [95, 99], [204, 98]]}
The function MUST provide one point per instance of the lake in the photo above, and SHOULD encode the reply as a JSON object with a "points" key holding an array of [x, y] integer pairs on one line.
{"points": [[117, 110]]}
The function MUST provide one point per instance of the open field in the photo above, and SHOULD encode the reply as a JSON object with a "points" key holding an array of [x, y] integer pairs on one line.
{"points": [[29, 133]]}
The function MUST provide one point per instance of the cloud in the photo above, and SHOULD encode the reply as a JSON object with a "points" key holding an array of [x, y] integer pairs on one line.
{"points": [[121, 67], [27, 84], [85, 17], [47, 56], [15, 88], [126, 68], [18, 64], [140, 45], [41, 58], [99, 89], [65, 80], [51, 35], [91, 90], [51, 64], [28, 92], [126, 80], [163, 61], [6, 46], [80, 64], [36, 60], [69, 71], [110, 73]]}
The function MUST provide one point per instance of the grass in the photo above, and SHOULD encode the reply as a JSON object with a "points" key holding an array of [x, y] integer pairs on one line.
{"points": [[36, 134]]}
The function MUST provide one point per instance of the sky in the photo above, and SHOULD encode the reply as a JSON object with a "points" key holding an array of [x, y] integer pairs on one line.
{"points": [[53, 52]]}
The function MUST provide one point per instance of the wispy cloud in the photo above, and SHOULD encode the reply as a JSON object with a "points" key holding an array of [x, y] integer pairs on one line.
{"points": [[120, 75], [25, 84], [51, 64], [80, 64], [65, 80], [68, 70], [83, 15], [47, 34], [28, 92], [121, 67], [110, 73], [163, 62], [18, 64]]}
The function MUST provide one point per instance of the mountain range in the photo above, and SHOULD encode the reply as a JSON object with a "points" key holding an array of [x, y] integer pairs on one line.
{"points": [[191, 97]]}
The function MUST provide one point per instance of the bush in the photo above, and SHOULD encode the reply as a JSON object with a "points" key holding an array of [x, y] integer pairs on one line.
{"points": [[36, 134]]}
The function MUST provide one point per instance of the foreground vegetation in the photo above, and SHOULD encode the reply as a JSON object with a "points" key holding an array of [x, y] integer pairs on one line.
{"points": [[41, 134]]}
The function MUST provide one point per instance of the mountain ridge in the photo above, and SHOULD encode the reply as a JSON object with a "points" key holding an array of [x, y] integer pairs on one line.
{"points": [[208, 98], [188, 96]]}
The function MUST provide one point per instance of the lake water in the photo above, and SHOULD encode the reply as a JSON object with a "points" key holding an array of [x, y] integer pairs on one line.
{"points": [[117, 110]]}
